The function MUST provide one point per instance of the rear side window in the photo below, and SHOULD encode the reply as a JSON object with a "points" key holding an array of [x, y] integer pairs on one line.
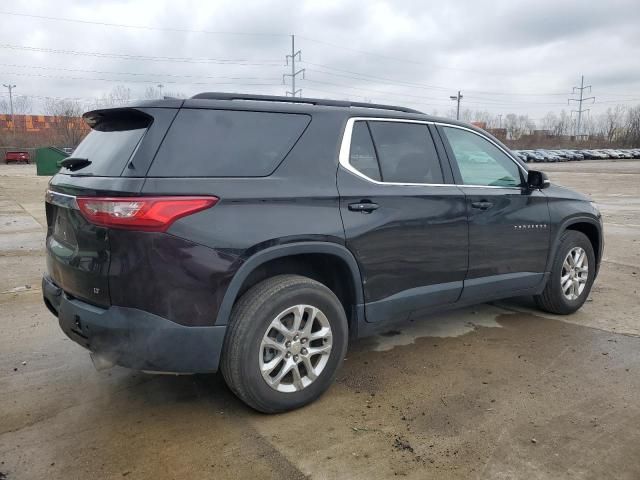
{"points": [[406, 152], [227, 143], [362, 154], [112, 141]]}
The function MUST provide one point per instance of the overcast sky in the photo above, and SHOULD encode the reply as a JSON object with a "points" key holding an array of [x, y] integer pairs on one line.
{"points": [[505, 56]]}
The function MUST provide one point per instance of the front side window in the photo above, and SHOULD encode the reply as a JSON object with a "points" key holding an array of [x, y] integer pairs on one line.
{"points": [[480, 162]]}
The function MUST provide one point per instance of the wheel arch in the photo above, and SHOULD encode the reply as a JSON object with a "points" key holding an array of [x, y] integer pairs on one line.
{"points": [[590, 227], [304, 258]]}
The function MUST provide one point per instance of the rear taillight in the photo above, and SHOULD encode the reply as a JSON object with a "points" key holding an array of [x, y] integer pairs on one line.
{"points": [[150, 214]]}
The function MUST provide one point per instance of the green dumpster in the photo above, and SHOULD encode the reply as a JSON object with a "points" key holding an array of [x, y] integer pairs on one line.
{"points": [[47, 159]]}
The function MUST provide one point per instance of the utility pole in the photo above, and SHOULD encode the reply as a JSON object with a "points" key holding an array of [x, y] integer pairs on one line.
{"points": [[160, 86], [500, 120], [580, 100], [13, 120], [293, 73], [457, 98]]}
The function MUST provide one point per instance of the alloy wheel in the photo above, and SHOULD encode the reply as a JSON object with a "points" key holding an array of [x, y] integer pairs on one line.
{"points": [[295, 348], [575, 273]]}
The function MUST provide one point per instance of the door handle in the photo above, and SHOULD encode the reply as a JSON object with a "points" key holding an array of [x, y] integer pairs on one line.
{"points": [[366, 207], [483, 205]]}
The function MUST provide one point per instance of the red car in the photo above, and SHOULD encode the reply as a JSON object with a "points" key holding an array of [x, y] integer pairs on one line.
{"points": [[16, 157]]}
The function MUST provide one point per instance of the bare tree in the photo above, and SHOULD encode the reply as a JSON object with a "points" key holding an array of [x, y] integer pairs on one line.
{"points": [[632, 127], [564, 125], [613, 126], [485, 117], [153, 92], [466, 115], [117, 97], [67, 123], [550, 122], [518, 125], [22, 105]]}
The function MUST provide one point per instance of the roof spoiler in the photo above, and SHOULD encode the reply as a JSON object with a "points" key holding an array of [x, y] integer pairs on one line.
{"points": [[114, 119]]}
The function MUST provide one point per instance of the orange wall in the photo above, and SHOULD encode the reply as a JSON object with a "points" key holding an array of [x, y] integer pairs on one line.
{"points": [[39, 123]]}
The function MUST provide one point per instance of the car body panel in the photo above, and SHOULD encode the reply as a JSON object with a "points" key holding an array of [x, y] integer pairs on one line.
{"points": [[399, 246], [424, 249]]}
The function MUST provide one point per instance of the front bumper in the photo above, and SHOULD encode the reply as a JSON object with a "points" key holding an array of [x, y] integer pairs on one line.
{"points": [[134, 338]]}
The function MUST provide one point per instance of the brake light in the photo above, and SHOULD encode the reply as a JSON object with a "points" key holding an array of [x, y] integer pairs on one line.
{"points": [[150, 214]]}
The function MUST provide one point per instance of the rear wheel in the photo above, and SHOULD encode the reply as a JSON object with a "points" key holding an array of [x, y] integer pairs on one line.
{"points": [[287, 338], [572, 275]]}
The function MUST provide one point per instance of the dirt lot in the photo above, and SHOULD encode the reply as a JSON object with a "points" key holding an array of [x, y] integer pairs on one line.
{"points": [[496, 391]]}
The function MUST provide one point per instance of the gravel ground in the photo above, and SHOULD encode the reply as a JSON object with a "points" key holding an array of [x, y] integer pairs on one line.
{"points": [[494, 391]]}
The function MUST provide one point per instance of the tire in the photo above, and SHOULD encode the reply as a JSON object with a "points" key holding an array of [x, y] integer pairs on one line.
{"points": [[553, 299], [244, 353]]}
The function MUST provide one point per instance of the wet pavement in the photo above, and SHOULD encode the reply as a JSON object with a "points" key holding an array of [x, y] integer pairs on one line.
{"points": [[494, 391]]}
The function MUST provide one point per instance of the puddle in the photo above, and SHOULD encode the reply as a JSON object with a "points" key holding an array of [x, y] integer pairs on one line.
{"points": [[449, 324]]}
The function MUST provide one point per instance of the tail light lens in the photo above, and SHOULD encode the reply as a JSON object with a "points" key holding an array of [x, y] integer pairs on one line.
{"points": [[150, 214]]}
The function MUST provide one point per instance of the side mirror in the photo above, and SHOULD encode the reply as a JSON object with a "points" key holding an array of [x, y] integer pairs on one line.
{"points": [[537, 180]]}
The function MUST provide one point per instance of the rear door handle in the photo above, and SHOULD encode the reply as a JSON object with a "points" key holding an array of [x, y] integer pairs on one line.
{"points": [[366, 207], [483, 205]]}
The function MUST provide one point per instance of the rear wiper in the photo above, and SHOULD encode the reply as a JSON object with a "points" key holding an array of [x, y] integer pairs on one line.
{"points": [[75, 163]]}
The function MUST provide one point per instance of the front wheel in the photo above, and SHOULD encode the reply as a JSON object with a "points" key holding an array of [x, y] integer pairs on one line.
{"points": [[287, 338], [572, 275]]}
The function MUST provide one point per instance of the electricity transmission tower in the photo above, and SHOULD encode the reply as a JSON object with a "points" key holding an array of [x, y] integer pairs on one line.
{"points": [[580, 101], [457, 98], [294, 54]]}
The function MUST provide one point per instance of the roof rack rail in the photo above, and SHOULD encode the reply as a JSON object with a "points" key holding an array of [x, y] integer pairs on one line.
{"points": [[311, 101]]}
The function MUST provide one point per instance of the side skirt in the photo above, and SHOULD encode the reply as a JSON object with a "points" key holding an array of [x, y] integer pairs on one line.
{"points": [[366, 328]]}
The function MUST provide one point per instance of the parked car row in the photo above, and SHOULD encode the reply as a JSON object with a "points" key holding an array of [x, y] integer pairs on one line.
{"points": [[564, 155]]}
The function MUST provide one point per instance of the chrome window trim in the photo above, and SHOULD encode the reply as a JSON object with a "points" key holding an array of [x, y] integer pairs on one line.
{"points": [[345, 150], [61, 200]]}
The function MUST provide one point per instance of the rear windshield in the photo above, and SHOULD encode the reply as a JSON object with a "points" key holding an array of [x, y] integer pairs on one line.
{"points": [[110, 144], [227, 143]]}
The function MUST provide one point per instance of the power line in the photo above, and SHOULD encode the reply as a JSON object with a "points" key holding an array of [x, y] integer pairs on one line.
{"points": [[384, 98], [156, 74], [370, 78], [422, 97], [125, 56], [369, 90], [187, 30], [378, 80], [141, 27], [394, 82], [114, 80], [507, 102]]}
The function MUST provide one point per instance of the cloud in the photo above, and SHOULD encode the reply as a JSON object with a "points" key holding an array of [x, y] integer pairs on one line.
{"points": [[505, 56]]}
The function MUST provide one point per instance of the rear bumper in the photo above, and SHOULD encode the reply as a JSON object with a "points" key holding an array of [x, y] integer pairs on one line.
{"points": [[134, 338]]}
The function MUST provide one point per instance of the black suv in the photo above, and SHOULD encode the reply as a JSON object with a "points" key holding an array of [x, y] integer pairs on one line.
{"points": [[258, 234]]}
